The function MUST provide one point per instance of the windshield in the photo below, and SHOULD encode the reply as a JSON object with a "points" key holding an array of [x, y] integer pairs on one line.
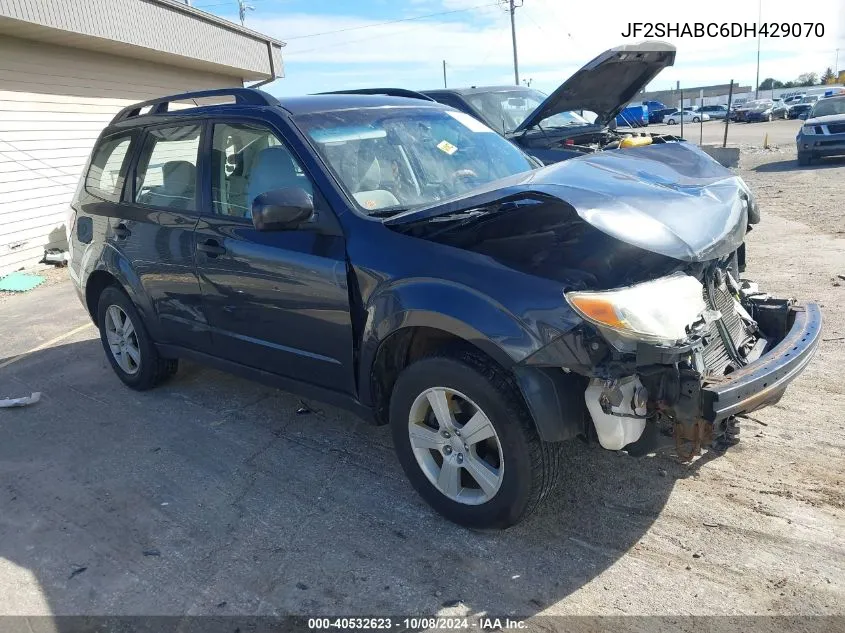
{"points": [[507, 109], [827, 107], [394, 159]]}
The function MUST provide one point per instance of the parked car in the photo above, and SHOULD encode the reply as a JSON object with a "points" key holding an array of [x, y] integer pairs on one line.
{"points": [[577, 118], [654, 108], [793, 99], [823, 132], [633, 116], [657, 116], [799, 110], [688, 116], [766, 110], [714, 111], [738, 110], [398, 258]]}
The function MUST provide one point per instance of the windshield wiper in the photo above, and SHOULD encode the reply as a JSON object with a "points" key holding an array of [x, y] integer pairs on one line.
{"points": [[385, 213]]}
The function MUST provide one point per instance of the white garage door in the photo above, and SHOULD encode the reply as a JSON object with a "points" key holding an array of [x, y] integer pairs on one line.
{"points": [[54, 101]]}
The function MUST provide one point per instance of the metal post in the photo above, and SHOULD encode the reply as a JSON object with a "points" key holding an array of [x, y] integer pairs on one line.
{"points": [[728, 116], [513, 38], [700, 118], [444, 73], [682, 113], [759, 17]]}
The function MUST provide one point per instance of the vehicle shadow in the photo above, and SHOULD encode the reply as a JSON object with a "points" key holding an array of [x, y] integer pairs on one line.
{"points": [[215, 496], [791, 164]]}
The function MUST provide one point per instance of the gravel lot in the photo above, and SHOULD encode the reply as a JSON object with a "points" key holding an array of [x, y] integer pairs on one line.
{"points": [[212, 495]]}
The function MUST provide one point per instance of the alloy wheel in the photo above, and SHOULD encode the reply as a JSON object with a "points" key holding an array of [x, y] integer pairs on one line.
{"points": [[456, 446], [122, 339]]}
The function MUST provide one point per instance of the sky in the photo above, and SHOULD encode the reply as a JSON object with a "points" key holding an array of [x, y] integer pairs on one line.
{"points": [[554, 39]]}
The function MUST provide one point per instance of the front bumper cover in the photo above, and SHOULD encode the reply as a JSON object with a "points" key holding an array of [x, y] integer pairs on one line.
{"points": [[763, 382]]}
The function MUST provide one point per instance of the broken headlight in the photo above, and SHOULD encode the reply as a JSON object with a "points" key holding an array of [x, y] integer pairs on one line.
{"points": [[658, 311]]}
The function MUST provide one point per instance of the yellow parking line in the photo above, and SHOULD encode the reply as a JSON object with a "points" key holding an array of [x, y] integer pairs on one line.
{"points": [[49, 343]]}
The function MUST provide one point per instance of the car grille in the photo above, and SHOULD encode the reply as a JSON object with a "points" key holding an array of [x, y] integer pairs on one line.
{"points": [[717, 358], [836, 128]]}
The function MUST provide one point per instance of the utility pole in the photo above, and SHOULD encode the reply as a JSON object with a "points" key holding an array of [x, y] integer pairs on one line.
{"points": [[836, 70], [444, 73], [243, 7], [759, 17], [512, 7]]}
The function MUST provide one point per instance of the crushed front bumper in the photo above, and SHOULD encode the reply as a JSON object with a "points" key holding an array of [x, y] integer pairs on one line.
{"points": [[763, 382]]}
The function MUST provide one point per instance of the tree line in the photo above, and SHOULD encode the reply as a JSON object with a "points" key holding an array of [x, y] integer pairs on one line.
{"points": [[804, 80]]}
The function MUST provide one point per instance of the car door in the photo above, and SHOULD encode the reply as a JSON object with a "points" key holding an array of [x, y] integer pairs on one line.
{"points": [[153, 228], [276, 300]]}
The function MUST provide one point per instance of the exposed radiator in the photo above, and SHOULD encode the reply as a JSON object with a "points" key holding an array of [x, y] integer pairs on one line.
{"points": [[716, 357]]}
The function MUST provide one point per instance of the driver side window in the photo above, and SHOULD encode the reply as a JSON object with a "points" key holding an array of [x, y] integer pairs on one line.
{"points": [[246, 161]]}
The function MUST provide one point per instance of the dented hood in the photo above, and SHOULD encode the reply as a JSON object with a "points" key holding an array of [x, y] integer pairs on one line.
{"points": [[607, 83], [671, 199]]}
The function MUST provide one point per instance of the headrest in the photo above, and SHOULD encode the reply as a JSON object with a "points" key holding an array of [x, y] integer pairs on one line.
{"points": [[273, 169], [178, 176]]}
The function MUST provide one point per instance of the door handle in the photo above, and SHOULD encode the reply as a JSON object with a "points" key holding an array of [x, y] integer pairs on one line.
{"points": [[211, 248], [121, 232]]}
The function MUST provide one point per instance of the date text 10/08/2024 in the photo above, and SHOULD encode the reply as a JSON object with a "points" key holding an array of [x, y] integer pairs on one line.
{"points": [[415, 623], [724, 29]]}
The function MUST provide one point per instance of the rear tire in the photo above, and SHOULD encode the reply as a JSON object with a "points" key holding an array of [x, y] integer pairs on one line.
{"points": [[695, 119], [127, 343], [523, 468]]}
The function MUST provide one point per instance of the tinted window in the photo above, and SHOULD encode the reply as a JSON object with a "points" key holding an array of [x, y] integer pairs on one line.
{"points": [[108, 168], [246, 161], [167, 169]]}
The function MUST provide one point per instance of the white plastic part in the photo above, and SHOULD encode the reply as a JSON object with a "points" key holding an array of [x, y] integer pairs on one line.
{"points": [[617, 431]]}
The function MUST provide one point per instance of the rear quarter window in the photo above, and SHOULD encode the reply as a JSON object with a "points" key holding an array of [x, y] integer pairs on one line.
{"points": [[109, 163]]}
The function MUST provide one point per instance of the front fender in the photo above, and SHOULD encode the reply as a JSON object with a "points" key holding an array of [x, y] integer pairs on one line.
{"points": [[448, 307]]}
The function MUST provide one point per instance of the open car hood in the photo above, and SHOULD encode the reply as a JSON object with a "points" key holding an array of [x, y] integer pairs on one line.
{"points": [[606, 84], [671, 199]]}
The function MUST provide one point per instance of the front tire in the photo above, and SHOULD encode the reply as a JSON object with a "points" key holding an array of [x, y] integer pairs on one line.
{"points": [[671, 122], [467, 443], [804, 159], [127, 344]]}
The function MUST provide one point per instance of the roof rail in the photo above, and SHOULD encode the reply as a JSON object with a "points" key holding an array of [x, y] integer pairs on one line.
{"points": [[390, 92], [243, 96]]}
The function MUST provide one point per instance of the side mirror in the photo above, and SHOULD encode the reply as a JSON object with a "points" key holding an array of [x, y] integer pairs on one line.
{"points": [[803, 116], [611, 125], [281, 209]]}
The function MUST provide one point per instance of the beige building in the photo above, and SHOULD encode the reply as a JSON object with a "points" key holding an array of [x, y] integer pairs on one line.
{"points": [[67, 66]]}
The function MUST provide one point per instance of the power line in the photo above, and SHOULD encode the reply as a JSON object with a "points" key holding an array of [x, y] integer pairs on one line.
{"points": [[367, 26]]}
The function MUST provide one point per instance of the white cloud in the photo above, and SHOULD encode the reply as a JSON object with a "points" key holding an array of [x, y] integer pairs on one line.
{"points": [[555, 38]]}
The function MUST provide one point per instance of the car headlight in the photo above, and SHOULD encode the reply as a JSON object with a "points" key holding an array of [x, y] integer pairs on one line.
{"points": [[808, 129], [658, 311]]}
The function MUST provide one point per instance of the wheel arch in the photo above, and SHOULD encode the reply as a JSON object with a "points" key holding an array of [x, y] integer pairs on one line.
{"points": [[114, 269]]}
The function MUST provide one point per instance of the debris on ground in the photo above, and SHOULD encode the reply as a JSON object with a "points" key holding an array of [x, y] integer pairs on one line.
{"points": [[20, 282], [56, 256], [151, 552], [306, 409], [76, 572], [8, 403]]}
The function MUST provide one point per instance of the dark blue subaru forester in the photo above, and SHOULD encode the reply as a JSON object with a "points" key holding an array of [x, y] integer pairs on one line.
{"points": [[399, 258]]}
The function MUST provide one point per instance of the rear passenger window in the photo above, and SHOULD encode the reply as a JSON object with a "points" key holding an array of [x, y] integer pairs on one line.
{"points": [[108, 168], [167, 169]]}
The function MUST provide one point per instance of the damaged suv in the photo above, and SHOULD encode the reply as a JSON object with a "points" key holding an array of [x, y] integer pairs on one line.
{"points": [[398, 258]]}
